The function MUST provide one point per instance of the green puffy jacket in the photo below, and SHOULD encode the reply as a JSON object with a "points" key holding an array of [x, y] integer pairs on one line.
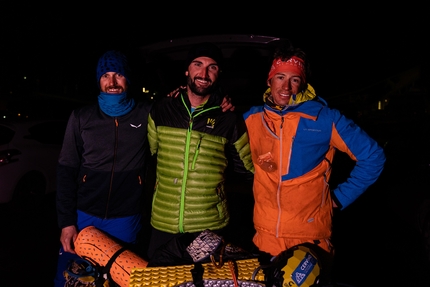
{"points": [[193, 151]]}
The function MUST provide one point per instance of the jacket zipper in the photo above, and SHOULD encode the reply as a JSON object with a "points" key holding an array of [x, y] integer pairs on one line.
{"points": [[278, 192], [186, 162], [196, 154], [325, 182], [184, 179], [113, 166]]}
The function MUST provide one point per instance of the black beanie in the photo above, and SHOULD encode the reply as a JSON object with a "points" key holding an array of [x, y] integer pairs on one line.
{"points": [[204, 49]]}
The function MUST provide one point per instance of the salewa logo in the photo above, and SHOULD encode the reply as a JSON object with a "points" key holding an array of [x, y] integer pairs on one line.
{"points": [[136, 127], [210, 123]]}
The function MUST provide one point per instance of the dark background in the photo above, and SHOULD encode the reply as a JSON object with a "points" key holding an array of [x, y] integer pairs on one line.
{"points": [[353, 46]]}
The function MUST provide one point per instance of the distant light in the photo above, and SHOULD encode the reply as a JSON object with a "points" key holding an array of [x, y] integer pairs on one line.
{"points": [[25, 78], [145, 91], [379, 105]]}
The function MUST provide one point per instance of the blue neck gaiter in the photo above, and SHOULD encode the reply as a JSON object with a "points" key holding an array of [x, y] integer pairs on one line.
{"points": [[115, 105]]}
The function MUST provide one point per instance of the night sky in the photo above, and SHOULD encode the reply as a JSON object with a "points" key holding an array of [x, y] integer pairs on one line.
{"points": [[350, 46]]}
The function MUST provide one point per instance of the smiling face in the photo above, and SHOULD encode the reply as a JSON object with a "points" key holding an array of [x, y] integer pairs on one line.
{"points": [[202, 76], [113, 83], [283, 85]]}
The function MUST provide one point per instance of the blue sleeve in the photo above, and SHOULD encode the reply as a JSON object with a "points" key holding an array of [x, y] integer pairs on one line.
{"points": [[369, 156]]}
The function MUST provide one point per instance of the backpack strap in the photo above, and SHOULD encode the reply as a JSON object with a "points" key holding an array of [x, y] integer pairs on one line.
{"points": [[106, 269]]}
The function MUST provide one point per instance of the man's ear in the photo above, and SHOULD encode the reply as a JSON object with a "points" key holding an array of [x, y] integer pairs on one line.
{"points": [[268, 83], [186, 73]]}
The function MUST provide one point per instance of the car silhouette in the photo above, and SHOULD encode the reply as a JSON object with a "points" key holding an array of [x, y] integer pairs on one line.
{"points": [[29, 152], [160, 66]]}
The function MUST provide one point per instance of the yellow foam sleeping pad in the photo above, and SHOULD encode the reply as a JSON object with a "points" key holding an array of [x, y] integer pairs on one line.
{"points": [[180, 275]]}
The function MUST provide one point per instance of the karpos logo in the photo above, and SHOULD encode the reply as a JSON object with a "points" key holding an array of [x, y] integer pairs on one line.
{"points": [[210, 123]]}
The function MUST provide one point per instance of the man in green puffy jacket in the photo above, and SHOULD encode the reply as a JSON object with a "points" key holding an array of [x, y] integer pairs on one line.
{"points": [[195, 141]]}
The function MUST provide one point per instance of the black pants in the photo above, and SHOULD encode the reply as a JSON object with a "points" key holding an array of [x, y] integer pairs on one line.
{"points": [[168, 249]]}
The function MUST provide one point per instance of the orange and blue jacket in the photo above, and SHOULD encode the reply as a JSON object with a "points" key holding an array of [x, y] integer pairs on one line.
{"points": [[292, 150]]}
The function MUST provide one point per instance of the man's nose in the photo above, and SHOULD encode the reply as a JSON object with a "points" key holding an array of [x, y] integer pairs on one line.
{"points": [[286, 85], [112, 80], [204, 73]]}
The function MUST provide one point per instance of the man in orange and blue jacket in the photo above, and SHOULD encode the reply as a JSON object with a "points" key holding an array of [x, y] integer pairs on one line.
{"points": [[293, 139]]}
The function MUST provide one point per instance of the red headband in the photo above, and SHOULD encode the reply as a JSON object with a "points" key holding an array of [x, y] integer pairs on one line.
{"points": [[293, 64]]}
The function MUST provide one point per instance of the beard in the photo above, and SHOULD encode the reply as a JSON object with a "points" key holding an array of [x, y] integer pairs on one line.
{"points": [[202, 92]]}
